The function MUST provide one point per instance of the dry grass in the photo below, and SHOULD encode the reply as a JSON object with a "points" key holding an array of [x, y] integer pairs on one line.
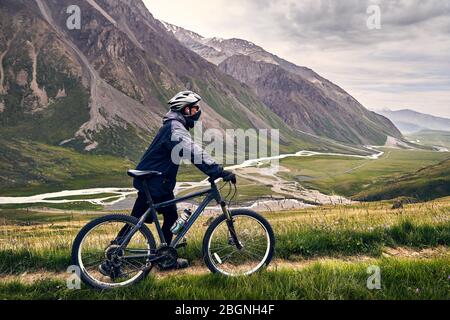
{"points": [[363, 229]]}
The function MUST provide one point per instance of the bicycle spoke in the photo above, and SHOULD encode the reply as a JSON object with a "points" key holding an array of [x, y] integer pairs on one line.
{"points": [[95, 263], [92, 255], [251, 254], [129, 263], [228, 246], [224, 259], [128, 273], [257, 249]]}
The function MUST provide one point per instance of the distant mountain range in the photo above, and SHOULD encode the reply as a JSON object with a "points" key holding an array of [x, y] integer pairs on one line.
{"points": [[304, 100], [409, 121]]}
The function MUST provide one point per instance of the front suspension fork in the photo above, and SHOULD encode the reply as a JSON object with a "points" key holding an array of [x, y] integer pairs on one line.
{"points": [[230, 224]]}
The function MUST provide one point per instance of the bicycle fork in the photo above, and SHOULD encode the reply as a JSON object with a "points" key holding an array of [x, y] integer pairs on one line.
{"points": [[230, 224]]}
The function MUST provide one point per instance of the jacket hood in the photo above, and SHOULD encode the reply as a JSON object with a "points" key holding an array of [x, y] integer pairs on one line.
{"points": [[187, 122], [174, 115]]}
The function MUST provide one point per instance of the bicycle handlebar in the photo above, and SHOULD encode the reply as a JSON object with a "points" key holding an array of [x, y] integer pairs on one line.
{"points": [[213, 181]]}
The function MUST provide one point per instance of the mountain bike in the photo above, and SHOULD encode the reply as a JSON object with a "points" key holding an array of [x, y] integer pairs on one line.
{"points": [[237, 243]]}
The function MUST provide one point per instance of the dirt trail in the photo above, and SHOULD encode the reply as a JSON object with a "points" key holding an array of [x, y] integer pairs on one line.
{"points": [[198, 268], [297, 265]]}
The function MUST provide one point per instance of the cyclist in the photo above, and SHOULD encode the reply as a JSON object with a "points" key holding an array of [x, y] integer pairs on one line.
{"points": [[184, 113]]}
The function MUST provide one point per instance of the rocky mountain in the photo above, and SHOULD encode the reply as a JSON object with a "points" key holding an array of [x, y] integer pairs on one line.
{"points": [[104, 88], [306, 101], [69, 94], [409, 121]]}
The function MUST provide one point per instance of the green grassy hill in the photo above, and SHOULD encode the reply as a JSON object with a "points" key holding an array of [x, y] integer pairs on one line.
{"points": [[426, 184], [28, 168], [431, 138], [349, 176]]}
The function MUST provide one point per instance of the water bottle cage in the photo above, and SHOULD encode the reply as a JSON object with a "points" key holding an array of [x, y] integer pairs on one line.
{"points": [[181, 222]]}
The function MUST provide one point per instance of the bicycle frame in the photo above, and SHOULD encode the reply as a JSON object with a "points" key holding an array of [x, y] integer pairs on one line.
{"points": [[211, 194]]}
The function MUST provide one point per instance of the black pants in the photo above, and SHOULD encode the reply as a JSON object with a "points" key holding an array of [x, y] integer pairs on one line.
{"points": [[169, 213]]}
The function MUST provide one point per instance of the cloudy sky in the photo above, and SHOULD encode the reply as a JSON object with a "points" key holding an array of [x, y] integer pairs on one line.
{"points": [[405, 64]]}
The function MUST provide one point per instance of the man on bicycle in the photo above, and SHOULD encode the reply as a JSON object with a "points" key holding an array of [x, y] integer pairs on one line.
{"points": [[184, 113]]}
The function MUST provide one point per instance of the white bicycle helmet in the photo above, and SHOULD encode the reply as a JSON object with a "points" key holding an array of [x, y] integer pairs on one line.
{"points": [[184, 99]]}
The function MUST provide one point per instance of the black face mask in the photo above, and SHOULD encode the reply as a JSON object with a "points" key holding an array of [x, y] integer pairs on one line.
{"points": [[191, 120]]}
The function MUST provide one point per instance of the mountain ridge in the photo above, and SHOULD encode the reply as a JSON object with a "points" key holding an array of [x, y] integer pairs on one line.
{"points": [[314, 104], [410, 121], [131, 67], [115, 76]]}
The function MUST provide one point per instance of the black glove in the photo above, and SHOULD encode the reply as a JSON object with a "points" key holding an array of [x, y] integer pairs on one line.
{"points": [[229, 176]]}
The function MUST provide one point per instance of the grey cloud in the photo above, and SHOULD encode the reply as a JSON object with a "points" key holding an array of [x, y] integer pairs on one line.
{"points": [[405, 63], [403, 12], [342, 21], [408, 56]]}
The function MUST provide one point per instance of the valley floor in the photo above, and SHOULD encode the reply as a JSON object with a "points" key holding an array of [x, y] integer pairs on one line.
{"points": [[307, 177]]}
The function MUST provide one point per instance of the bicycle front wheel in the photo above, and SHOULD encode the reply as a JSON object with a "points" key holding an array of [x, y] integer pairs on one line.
{"points": [[254, 252], [103, 263]]}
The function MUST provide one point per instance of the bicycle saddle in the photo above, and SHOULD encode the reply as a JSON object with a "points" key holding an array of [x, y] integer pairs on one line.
{"points": [[143, 174]]}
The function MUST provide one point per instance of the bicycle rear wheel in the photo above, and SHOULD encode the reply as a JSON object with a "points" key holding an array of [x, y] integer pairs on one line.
{"points": [[97, 244], [255, 235]]}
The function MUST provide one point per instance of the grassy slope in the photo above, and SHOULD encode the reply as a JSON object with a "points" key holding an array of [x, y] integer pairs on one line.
{"points": [[426, 184], [402, 279], [72, 206], [34, 241], [431, 138], [348, 176], [41, 242], [28, 168]]}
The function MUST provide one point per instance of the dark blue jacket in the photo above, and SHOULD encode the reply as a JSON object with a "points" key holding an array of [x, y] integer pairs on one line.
{"points": [[172, 144]]}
